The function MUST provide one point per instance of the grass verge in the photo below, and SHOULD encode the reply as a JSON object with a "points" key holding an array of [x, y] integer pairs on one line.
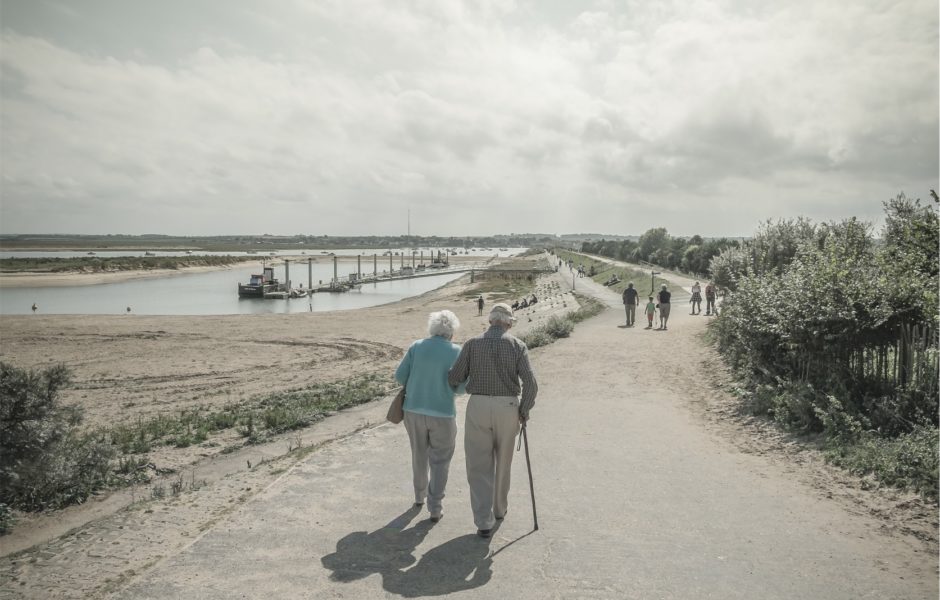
{"points": [[557, 327], [255, 419], [908, 461]]}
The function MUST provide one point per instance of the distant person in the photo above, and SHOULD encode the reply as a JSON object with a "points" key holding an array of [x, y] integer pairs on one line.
{"points": [[696, 299], [480, 306], [35, 308], [495, 367], [630, 301], [710, 299], [650, 312], [664, 298], [128, 310], [430, 414]]}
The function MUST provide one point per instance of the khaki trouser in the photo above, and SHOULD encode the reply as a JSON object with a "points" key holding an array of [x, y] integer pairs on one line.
{"points": [[489, 436], [432, 446]]}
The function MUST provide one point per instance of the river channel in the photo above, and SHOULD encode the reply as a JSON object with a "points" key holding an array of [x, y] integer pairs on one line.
{"points": [[210, 293]]}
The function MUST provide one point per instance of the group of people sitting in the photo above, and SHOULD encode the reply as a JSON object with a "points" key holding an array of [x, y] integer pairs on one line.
{"points": [[524, 303]]}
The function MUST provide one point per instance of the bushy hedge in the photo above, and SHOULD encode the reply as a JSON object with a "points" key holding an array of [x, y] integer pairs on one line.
{"points": [[816, 325]]}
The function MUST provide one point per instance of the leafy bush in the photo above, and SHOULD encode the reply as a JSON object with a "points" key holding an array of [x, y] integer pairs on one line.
{"points": [[536, 337], [45, 462], [836, 332], [558, 327]]}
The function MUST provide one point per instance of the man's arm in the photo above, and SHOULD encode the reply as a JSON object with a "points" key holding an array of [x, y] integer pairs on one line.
{"points": [[530, 387], [460, 371]]}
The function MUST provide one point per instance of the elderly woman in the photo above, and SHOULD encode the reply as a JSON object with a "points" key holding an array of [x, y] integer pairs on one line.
{"points": [[430, 415]]}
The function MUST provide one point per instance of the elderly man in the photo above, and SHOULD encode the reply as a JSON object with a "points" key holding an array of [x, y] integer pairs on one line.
{"points": [[630, 301], [493, 365]]}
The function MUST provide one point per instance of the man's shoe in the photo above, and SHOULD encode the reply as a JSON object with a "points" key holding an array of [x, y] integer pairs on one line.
{"points": [[437, 518], [484, 533]]}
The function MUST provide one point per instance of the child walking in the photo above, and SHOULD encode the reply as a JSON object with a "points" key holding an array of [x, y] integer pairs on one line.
{"points": [[650, 312]]}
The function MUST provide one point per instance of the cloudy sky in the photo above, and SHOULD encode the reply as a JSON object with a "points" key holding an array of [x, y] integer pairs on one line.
{"points": [[486, 116]]}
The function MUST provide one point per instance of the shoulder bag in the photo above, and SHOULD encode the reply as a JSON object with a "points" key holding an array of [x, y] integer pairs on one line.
{"points": [[396, 412]]}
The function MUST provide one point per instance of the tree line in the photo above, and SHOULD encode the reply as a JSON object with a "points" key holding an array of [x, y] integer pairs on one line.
{"points": [[691, 255]]}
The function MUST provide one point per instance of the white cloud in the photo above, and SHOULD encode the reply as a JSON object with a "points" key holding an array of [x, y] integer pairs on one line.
{"points": [[332, 117]]}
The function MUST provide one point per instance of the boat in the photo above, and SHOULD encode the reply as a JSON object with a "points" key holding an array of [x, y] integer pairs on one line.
{"points": [[91, 254], [149, 254], [260, 286]]}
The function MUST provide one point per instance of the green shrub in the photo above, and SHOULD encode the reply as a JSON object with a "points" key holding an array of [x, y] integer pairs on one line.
{"points": [[536, 337], [45, 462], [908, 461], [558, 327]]}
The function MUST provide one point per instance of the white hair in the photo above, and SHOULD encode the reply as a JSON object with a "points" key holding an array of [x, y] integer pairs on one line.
{"points": [[443, 323], [501, 317]]}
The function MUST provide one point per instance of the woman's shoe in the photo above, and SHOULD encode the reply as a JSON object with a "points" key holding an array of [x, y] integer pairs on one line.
{"points": [[437, 518], [484, 533]]}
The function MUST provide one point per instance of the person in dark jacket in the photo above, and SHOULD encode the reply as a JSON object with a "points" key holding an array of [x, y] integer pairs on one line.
{"points": [[630, 301], [663, 300]]}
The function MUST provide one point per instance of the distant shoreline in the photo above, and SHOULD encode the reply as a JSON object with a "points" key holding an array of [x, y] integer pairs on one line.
{"points": [[27, 280]]}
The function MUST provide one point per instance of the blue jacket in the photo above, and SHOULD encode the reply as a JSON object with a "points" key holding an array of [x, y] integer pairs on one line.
{"points": [[423, 372]]}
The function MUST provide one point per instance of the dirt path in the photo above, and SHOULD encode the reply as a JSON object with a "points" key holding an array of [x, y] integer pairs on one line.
{"points": [[644, 491]]}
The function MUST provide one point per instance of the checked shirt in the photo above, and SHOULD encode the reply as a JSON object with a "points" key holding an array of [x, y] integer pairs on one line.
{"points": [[493, 364]]}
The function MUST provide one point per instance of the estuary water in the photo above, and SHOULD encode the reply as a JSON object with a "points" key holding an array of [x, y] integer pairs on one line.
{"points": [[208, 293], [216, 292]]}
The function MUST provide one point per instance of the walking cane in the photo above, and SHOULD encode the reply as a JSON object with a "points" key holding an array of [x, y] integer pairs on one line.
{"points": [[528, 464]]}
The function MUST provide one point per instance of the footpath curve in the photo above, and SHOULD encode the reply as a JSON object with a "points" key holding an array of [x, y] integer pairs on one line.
{"points": [[636, 499]]}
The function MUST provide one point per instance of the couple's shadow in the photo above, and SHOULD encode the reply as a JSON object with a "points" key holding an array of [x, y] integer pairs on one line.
{"points": [[462, 563]]}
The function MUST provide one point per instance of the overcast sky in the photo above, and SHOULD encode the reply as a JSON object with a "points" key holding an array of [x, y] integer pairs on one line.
{"points": [[494, 116]]}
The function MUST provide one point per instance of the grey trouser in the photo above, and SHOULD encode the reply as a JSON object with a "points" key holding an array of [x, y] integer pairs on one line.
{"points": [[631, 313], [432, 446], [489, 436], [664, 311]]}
